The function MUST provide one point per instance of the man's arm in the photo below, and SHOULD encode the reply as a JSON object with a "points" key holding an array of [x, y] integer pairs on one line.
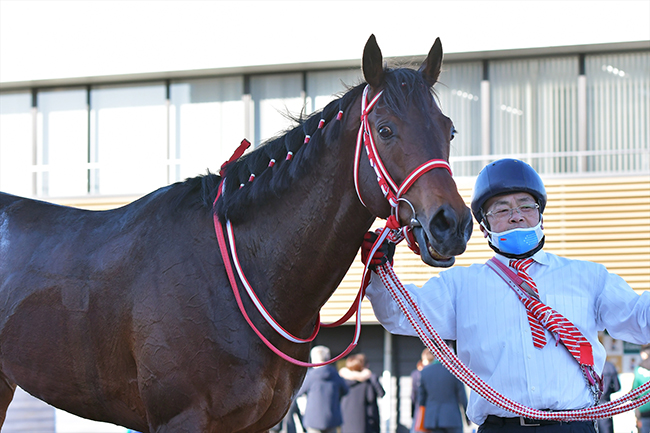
{"points": [[624, 313], [433, 298], [386, 309]]}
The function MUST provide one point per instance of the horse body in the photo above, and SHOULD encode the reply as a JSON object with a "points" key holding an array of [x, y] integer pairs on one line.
{"points": [[61, 283], [127, 316], [95, 312]]}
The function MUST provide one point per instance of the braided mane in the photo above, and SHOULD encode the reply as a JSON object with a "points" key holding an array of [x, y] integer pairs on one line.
{"points": [[273, 181], [403, 87]]}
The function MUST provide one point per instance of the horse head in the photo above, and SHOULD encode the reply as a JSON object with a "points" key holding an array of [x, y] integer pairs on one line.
{"points": [[409, 129]]}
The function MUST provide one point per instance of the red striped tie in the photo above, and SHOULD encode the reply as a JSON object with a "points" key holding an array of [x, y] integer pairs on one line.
{"points": [[536, 327], [542, 316]]}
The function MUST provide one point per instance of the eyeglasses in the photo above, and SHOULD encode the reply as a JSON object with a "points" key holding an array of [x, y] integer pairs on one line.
{"points": [[505, 213]]}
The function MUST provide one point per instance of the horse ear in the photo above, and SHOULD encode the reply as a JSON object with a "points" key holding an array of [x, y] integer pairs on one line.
{"points": [[430, 69], [373, 63]]}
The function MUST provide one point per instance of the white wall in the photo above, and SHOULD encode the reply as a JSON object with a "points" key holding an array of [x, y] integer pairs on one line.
{"points": [[63, 39]]}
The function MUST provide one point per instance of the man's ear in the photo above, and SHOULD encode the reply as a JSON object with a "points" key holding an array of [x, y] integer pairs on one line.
{"points": [[541, 219], [485, 233]]}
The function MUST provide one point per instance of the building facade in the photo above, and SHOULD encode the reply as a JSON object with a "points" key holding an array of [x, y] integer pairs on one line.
{"points": [[579, 115]]}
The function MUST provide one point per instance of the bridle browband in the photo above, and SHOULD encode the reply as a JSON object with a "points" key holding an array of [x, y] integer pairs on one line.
{"points": [[391, 191]]}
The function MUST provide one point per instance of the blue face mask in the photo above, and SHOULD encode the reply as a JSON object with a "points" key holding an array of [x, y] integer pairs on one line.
{"points": [[517, 241]]}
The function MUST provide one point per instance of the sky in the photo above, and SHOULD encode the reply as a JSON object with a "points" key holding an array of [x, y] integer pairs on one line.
{"points": [[52, 39], [64, 39]]}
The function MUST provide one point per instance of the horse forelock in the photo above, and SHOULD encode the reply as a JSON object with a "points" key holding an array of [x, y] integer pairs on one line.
{"points": [[404, 89]]}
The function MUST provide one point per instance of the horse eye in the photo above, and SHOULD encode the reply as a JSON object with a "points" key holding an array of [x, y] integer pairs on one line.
{"points": [[453, 133], [385, 132]]}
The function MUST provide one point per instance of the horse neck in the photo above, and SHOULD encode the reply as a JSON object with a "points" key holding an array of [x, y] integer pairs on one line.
{"points": [[308, 238]]}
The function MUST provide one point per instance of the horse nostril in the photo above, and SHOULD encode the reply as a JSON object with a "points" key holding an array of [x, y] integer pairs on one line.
{"points": [[442, 223]]}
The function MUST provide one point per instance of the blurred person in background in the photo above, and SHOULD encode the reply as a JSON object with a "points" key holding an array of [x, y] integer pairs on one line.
{"points": [[324, 389], [611, 384], [426, 357], [442, 400], [359, 406], [641, 376]]}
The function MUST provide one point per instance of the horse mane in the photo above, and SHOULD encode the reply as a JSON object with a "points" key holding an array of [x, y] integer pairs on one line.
{"points": [[402, 87]]}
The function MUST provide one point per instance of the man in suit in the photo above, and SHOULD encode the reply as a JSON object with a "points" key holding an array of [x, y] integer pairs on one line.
{"points": [[425, 359], [442, 396], [611, 384]]}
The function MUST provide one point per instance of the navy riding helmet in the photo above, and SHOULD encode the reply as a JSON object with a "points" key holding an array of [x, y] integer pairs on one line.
{"points": [[506, 176]]}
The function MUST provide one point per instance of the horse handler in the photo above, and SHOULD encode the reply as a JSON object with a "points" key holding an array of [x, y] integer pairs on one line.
{"points": [[526, 321]]}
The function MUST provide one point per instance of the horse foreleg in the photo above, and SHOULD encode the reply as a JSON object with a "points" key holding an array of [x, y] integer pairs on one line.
{"points": [[7, 390]]}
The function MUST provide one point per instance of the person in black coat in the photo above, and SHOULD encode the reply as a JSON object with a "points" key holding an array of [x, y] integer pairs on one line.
{"points": [[611, 384], [426, 358], [442, 395], [324, 388], [359, 406]]}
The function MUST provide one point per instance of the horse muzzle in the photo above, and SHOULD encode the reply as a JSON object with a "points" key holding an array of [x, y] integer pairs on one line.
{"points": [[444, 237]]}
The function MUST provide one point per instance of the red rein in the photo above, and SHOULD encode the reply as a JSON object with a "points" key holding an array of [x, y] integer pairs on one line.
{"points": [[392, 192]]}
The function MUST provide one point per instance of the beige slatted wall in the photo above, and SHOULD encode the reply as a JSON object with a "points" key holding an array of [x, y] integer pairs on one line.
{"points": [[606, 220], [97, 203]]}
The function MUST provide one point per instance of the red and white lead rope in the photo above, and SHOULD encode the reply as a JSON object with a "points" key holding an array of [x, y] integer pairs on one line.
{"points": [[442, 352]]}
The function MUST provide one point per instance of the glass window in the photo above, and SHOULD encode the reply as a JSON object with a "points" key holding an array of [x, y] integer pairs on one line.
{"points": [[16, 144], [459, 91], [128, 139], [62, 143], [325, 86], [275, 96], [618, 109], [207, 123], [534, 109]]}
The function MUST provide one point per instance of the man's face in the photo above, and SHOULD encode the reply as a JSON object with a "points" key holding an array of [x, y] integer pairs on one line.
{"points": [[510, 220]]}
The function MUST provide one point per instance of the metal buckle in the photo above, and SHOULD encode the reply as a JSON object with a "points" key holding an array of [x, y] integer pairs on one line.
{"points": [[523, 422]]}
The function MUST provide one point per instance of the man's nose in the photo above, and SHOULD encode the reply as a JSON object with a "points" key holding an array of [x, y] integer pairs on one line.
{"points": [[516, 215]]}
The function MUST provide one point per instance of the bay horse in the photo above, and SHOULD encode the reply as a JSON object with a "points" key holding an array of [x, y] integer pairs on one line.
{"points": [[126, 316]]}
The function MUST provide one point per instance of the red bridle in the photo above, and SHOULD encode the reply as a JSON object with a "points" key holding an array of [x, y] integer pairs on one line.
{"points": [[392, 193]]}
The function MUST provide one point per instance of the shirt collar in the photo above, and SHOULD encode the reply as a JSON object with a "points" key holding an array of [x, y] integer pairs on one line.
{"points": [[540, 257]]}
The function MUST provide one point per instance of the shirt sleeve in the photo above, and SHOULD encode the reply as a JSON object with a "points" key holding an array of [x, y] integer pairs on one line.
{"points": [[620, 310], [386, 309], [435, 298]]}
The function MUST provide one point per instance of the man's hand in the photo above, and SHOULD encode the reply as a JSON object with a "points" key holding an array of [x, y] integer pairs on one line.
{"points": [[384, 253]]}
